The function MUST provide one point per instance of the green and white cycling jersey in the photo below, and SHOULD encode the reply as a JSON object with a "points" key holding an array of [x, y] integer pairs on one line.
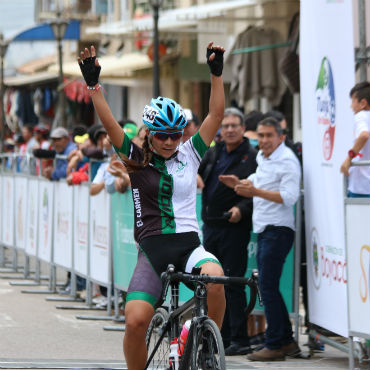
{"points": [[164, 193]]}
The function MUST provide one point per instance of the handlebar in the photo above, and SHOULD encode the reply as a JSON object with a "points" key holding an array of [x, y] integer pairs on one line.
{"points": [[170, 276]]}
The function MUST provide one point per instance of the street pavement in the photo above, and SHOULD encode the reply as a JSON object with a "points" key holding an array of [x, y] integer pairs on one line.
{"points": [[34, 334]]}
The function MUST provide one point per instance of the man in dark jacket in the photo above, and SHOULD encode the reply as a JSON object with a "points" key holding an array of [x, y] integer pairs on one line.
{"points": [[227, 221]]}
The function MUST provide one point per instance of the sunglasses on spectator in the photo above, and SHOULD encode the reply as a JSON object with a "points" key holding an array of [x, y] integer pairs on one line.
{"points": [[230, 125], [163, 136]]}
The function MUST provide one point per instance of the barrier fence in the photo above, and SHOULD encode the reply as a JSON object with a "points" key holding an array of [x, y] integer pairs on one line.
{"points": [[92, 236], [357, 242]]}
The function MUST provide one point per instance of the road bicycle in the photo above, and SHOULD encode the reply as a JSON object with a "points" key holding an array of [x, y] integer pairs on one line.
{"points": [[204, 347]]}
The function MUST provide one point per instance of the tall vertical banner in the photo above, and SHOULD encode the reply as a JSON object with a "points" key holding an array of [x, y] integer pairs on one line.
{"points": [[63, 219], [32, 212], [100, 238], [46, 191], [80, 229], [358, 257], [327, 75], [7, 205], [21, 184]]}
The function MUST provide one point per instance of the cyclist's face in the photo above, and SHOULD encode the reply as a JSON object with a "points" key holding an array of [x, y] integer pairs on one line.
{"points": [[166, 148]]}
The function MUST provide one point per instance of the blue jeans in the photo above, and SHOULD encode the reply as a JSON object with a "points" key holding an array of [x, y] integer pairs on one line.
{"points": [[274, 244]]}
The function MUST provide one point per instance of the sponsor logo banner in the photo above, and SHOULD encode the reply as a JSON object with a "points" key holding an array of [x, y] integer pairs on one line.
{"points": [[327, 75]]}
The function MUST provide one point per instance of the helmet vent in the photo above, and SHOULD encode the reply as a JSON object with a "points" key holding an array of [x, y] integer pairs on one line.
{"points": [[169, 114]]}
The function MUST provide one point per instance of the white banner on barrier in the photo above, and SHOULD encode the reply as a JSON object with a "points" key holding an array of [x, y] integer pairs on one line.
{"points": [[327, 75], [63, 218], [100, 237], [45, 220], [20, 211], [31, 215], [7, 205], [2, 210], [80, 229], [358, 258]]}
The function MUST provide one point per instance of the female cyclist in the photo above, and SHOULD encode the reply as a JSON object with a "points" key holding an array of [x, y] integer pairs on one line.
{"points": [[163, 180]]}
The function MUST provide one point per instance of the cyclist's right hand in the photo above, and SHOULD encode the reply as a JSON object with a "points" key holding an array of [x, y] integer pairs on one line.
{"points": [[89, 66]]}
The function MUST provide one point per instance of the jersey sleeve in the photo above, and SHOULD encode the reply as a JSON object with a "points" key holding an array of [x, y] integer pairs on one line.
{"points": [[125, 147], [199, 145]]}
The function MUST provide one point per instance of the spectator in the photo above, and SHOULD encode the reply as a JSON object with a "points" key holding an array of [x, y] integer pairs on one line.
{"points": [[30, 142], [109, 176], [275, 189], [296, 147], [140, 137], [63, 146], [251, 121], [41, 133], [359, 176], [25, 149], [193, 125], [78, 170], [226, 238]]}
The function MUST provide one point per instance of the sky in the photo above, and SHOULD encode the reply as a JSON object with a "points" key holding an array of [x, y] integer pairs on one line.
{"points": [[17, 16]]}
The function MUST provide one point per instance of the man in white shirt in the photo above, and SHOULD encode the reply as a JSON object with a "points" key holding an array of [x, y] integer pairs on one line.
{"points": [[359, 176], [275, 189]]}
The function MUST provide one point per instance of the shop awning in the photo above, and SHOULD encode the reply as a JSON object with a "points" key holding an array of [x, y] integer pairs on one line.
{"points": [[112, 66], [37, 65], [173, 19], [34, 79], [43, 32]]}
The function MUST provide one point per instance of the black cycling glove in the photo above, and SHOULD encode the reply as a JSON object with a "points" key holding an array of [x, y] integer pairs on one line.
{"points": [[90, 71], [216, 65]]}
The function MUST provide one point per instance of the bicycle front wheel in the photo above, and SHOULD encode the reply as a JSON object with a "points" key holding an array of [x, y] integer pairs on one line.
{"points": [[158, 358], [209, 353]]}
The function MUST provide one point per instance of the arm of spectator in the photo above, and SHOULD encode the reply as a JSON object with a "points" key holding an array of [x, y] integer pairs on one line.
{"points": [[117, 168], [200, 182], [236, 215], [60, 171], [98, 183], [246, 207], [71, 154], [122, 183], [96, 188], [229, 180], [72, 163], [247, 189], [357, 146], [47, 171], [93, 152]]}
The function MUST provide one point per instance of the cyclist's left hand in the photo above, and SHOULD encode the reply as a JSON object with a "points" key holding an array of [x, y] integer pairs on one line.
{"points": [[215, 58], [236, 215]]}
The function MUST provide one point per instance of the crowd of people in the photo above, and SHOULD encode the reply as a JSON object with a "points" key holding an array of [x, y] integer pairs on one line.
{"points": [[249, 171]]}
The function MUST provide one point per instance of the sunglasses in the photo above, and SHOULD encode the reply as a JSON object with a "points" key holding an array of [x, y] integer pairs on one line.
{"points": [[163, 136]]}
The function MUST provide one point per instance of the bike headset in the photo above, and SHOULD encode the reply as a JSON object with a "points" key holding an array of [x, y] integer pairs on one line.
{"points": [[163, 115]]}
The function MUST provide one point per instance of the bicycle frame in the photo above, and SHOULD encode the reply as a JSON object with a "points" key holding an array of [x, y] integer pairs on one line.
{"points": [[198, 301]]}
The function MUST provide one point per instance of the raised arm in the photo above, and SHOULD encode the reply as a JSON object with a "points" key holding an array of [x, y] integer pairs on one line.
{"points": [[215, 115], [90, 69]]}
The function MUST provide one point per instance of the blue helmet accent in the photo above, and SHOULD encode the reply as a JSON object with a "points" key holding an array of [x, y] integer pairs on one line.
{"points": [[163, 114]]}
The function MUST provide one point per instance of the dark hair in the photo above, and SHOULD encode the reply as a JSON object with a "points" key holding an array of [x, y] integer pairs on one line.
{"points": [[195, 119], [272, 122], [361, 91], [91, 131], [79, 130], [274, 114], [133, 166], [232, 111], [252, 119], [29, 127], [123, 122]]}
